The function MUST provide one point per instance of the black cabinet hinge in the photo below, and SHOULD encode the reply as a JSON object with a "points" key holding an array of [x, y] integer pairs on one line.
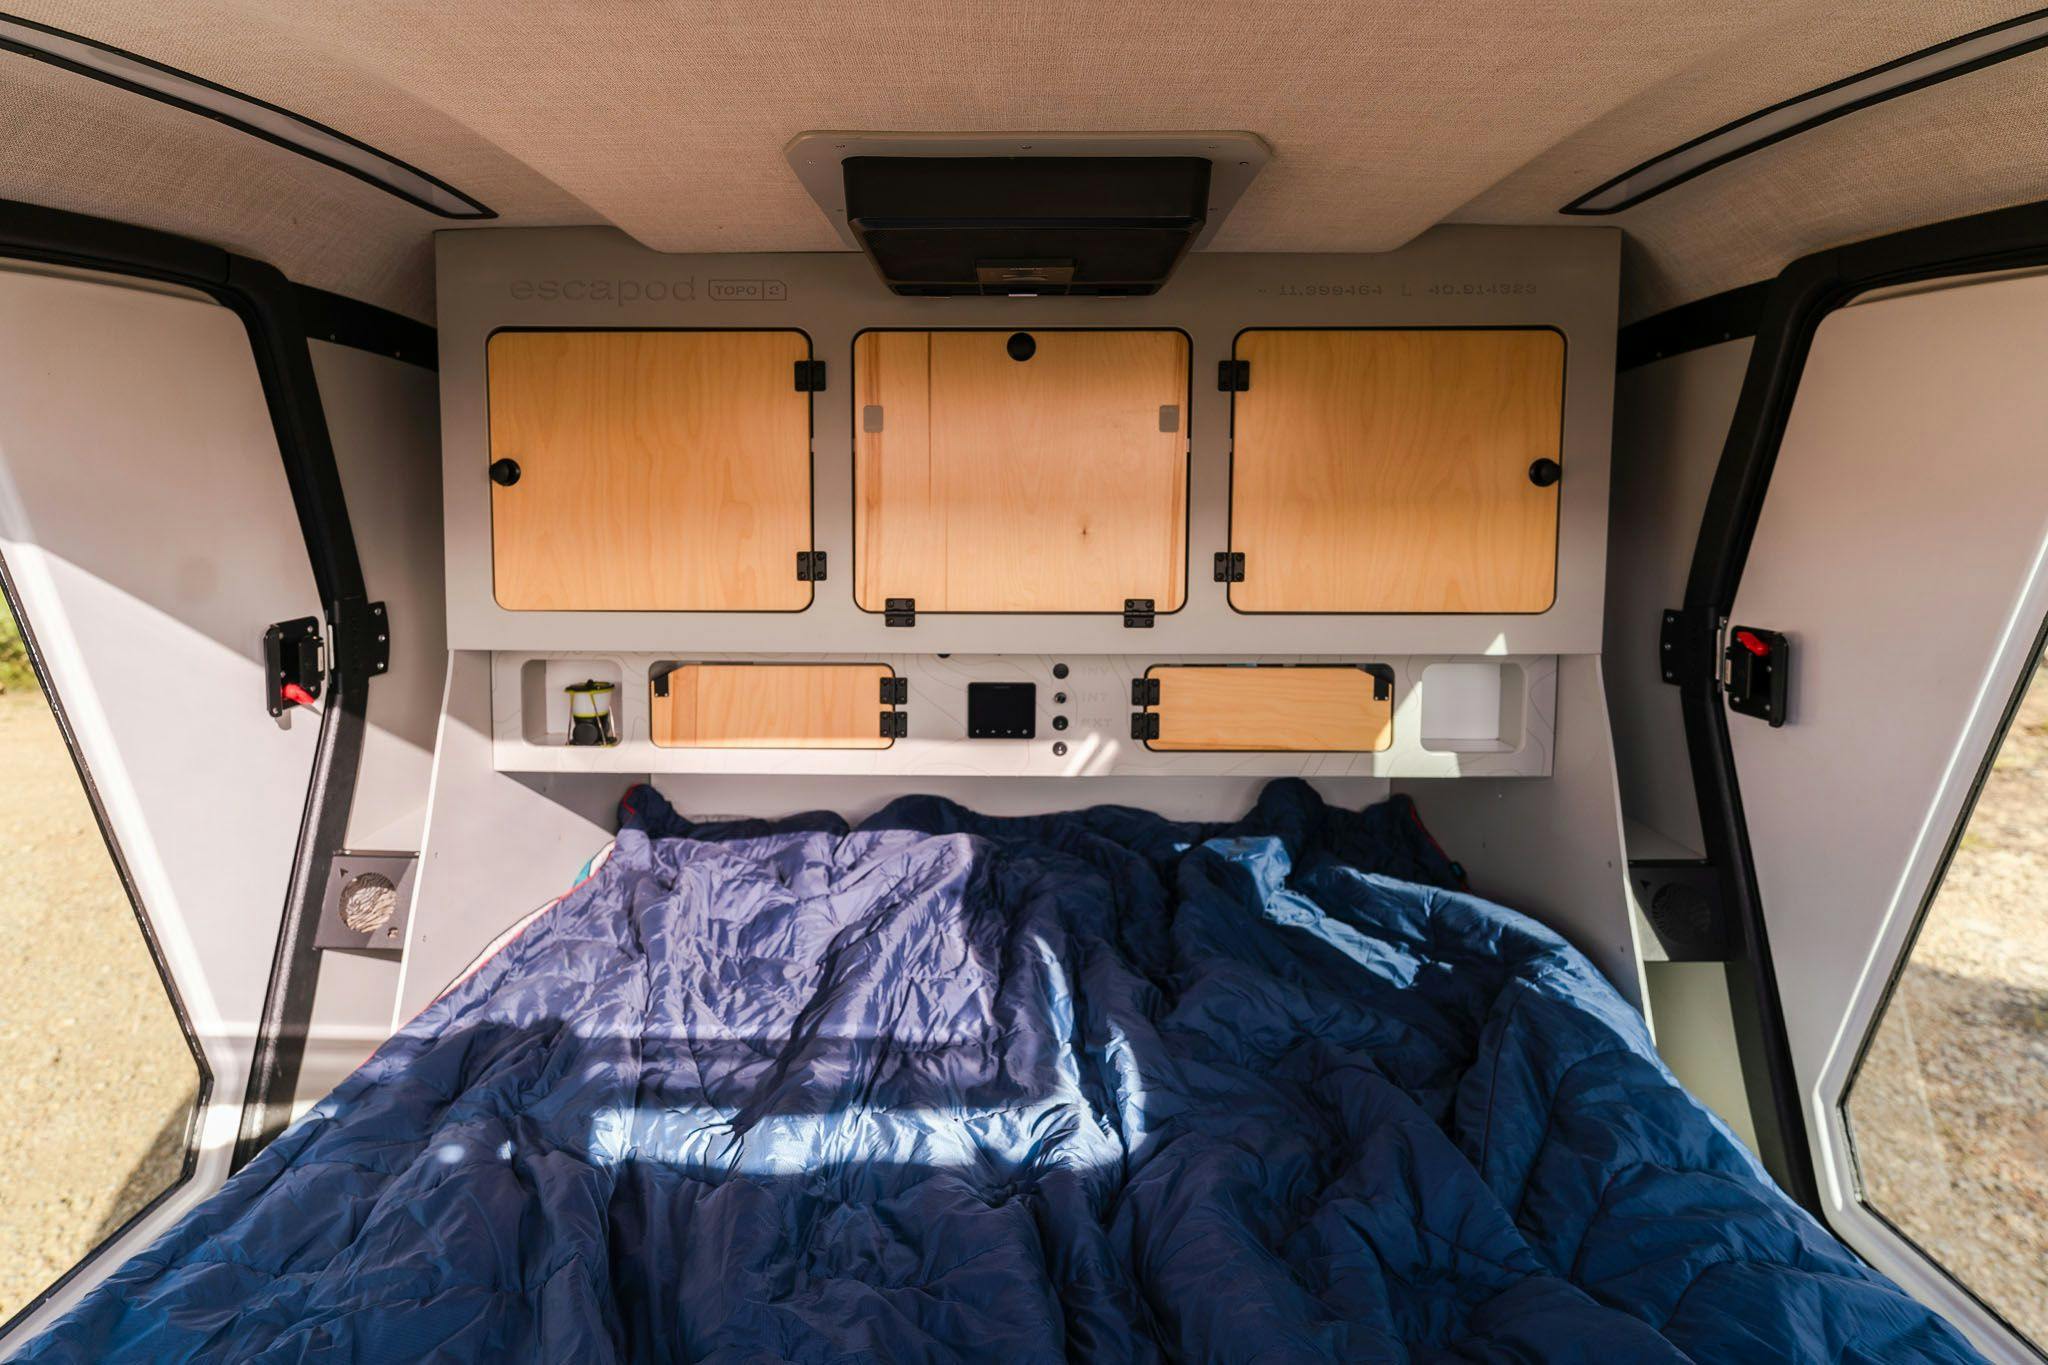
{"points": [[899, 611], [661, 684], [1758, 680], [1144, 691], [1382, 681], [1234, 376], [1230, 566], [895, 691], [1144, 725], [810, 376], [895, 724], [810, 566], [1138, 613]]}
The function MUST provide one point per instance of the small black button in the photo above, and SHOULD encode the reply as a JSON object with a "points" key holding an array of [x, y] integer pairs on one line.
{"points": [[1059, 699], [1059, 749], [1059, 722], [1059, 670]]}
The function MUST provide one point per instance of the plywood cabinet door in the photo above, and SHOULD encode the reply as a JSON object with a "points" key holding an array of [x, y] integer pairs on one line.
{"points": [[1390, 471], [771, 706], [1277, 708], [1054, 482], [658, 471]]}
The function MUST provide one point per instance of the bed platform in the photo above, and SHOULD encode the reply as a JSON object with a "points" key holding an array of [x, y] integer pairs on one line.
{"points": [[1090, 1086]]}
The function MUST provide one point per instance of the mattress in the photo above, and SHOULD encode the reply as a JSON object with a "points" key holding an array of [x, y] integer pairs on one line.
{"points": [[1095, 1086]]}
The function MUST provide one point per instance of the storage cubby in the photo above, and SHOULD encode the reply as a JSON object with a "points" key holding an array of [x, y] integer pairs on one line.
{"points": [[1471, 708], [648, 470], [544, 698], [1397, 470], [770, 706], [1270, 708], [1037, 471]]}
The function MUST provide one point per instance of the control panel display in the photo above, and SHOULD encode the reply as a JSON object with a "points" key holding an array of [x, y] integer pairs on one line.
{"points": [[1002, 710]]}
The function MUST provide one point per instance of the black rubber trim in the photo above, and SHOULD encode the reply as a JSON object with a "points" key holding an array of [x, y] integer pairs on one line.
{"points": [[366, 327], [1576, 207], [1799, 299], [480, 211], [268, 306], [203, 1095], [1727, 316]]}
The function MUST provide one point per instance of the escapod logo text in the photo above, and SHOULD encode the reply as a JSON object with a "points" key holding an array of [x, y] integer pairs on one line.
{"points": [[618, 292]]}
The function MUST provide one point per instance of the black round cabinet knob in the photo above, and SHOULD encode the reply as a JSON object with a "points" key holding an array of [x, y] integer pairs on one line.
{"points": [[1059, 670], [504, 473], [1021, 346], [1545, 472], [1059, 722]]}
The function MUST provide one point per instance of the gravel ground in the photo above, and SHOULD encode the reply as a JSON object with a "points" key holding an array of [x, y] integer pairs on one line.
{"points": [[1950, 1110], [98, 1081]]}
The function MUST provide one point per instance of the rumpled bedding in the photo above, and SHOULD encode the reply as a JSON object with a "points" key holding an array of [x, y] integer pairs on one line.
{"points": [[1096, 1086]]}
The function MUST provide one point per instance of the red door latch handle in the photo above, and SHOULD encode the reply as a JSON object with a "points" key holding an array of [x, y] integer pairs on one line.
{"points": [[1749, 641], [297, 695]]}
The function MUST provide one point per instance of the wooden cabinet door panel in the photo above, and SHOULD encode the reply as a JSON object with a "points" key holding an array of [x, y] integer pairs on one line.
{"points": [[771, 706], [1389, 471], [658, 471], [1056, 483], [1308, 708]]}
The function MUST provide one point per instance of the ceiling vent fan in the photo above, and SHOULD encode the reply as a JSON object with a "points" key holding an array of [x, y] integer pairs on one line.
{"points": [[1026, 214]]}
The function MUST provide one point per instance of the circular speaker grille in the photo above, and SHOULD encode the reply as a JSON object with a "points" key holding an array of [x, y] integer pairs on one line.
{"points": [[1682, 914], [368, 901]]}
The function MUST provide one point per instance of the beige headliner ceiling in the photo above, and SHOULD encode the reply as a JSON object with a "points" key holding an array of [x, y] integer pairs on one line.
{"points": [[668, 119]]}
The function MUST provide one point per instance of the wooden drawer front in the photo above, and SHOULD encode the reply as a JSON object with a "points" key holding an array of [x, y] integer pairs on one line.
{"points": [[1304, 708], [1389, 471], [771, 706], [658, 471], [984, 483]]}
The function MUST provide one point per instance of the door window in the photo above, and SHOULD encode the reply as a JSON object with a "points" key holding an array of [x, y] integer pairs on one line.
{"points": [[1948, 1108], [102, 1081]]}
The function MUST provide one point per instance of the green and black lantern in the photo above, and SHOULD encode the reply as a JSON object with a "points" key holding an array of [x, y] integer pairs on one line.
{"points": [[590, 714]]}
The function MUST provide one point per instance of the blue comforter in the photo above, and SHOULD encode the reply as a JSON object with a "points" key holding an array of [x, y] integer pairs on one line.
{"points": [[1095, 1086]]}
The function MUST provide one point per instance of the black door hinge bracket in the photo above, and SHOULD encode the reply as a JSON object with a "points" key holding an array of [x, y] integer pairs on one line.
{"points": [[1229, 566], [1234, 376], [362, 637], [899, 611], [810, 376], [810, 566], [895, 691], [1685, 648], [1138, 613], [895, 724], [1382, 681]]}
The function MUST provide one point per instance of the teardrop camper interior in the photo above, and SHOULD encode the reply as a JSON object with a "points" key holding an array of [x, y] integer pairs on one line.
{"points": [[951, 682]]}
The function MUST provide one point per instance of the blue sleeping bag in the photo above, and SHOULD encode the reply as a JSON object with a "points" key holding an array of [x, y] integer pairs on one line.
{"points": [[1095, 1087]]}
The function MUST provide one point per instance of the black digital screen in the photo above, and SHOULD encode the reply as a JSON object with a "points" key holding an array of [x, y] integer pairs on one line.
{"points": [[1002, 710]]}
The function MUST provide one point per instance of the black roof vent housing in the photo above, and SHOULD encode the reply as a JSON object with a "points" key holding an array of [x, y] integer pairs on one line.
{"points": [[1026, 215]]}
